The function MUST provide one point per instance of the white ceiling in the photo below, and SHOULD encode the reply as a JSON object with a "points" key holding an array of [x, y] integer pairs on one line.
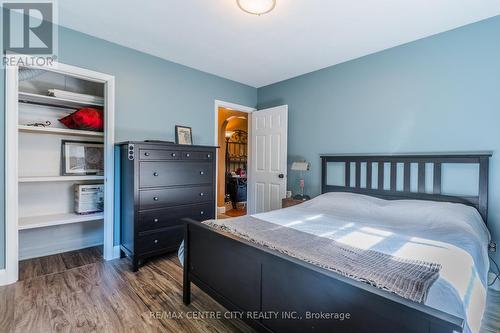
{"points": [[298, 37]]}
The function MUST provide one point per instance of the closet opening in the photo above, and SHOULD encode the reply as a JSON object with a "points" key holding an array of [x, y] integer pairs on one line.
{"points": [[232, 163], [59, 153]]}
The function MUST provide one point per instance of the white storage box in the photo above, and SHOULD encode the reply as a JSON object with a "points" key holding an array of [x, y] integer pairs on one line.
{"points": [[89, 198]]}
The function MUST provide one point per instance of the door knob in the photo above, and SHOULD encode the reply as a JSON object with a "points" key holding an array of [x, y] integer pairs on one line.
{"points": [[281, 175]]}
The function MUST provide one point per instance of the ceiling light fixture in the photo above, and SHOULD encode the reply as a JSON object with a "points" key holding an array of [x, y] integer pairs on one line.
{"points": [[256, 7]]}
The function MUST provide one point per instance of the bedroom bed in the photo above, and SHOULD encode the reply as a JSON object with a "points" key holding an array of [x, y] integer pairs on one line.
{"points": [[273, 283]]}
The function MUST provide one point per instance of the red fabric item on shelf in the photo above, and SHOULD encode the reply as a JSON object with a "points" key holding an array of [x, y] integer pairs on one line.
{"points": [[84, 119]]}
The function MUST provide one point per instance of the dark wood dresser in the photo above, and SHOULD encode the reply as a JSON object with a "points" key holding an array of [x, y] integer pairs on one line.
{"points": [[160, 184]]}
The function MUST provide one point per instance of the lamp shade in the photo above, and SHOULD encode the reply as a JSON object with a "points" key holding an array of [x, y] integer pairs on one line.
{"points": [[300, 166]]}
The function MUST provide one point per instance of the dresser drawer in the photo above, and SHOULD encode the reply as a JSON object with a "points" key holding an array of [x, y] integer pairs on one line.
{"points": [[168, 239], [197, 155], [159, 154], [168, 197], [170, 217], [159, 174]]}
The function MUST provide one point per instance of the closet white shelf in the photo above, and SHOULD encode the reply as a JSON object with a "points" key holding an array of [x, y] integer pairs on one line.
{"points": [[58, 179], [25, 97], [59, 131], [56, 219]]}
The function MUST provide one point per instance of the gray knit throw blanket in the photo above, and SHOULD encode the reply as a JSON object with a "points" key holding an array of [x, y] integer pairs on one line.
{"points": [[408, 278]]}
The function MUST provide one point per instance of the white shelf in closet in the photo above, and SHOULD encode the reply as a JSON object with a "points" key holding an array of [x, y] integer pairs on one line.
{"points": [[56, 219], [59, 131], [58, 179], [25, 97]]}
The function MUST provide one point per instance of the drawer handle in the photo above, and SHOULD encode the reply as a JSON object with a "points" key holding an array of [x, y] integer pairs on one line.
{"points": [[202, 194], [173, 154], [156, 220], [155, 198], [146, 154], [156, 241], [202, 173], [155, 174], [208, 156], [202, 213], [187, 155]]}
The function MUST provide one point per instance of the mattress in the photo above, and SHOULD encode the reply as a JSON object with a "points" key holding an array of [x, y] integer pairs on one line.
{"points": [[453, 235]]}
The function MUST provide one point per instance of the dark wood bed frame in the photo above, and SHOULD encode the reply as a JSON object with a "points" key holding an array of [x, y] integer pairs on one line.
{"points": [[274, 292]]}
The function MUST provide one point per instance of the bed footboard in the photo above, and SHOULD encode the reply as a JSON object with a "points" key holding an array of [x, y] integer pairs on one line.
{"points": [[278, 293]]}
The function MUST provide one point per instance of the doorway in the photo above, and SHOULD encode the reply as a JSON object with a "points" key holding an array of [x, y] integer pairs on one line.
{"points": [[232, 166], [266, 158]]}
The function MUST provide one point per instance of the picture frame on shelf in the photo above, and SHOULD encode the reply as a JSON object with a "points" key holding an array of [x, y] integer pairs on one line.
{"points": [[183, 135], [82, 158]]}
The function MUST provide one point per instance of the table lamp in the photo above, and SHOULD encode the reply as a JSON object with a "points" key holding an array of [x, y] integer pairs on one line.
{"points": [[302, 167]]}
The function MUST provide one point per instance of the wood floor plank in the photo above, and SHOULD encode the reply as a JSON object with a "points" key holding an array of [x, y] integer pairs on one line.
{"points": [[52, 264], [7, 299], [30, 268], [81, 257], [30, 308], [71, 259], [154, 295], [90, 255]]}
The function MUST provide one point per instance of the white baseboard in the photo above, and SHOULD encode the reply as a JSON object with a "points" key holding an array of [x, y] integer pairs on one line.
{"points": [[496, 285], [221, 210], [116, 252], [4, 279]]}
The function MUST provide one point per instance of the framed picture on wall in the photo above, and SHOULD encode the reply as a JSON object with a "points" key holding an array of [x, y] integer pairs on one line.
{"points": [[79, 158], [183, 135]]}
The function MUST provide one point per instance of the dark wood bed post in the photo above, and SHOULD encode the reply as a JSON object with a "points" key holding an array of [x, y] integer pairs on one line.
{"points": [[186, 284], [483, 186]]}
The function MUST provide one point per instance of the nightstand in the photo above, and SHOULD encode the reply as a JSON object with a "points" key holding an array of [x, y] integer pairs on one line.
{"points": [[288, 202]]}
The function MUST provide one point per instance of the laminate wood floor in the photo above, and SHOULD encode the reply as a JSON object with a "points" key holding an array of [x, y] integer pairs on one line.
{"points": [[79, 292]]}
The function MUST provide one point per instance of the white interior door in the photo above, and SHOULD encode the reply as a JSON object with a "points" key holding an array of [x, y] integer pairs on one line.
{"points": [[268, 137]]}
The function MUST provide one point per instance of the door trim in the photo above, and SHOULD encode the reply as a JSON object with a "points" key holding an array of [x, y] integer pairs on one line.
{"points": [[235, 107], [10, 274]]}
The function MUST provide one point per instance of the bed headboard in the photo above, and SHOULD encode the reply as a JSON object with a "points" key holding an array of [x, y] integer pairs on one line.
{"points": [[366, 162]]}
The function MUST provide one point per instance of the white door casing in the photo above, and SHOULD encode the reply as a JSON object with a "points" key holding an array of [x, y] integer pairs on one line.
{"points": [[269, 158], [240, 108]]}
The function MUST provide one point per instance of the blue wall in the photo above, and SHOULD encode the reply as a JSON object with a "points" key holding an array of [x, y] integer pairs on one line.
{"points": [[152, 95], [440, 93]]}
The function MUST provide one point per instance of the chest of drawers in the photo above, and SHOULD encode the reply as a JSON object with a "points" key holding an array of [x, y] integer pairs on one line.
{"points": [[160, 185]]}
